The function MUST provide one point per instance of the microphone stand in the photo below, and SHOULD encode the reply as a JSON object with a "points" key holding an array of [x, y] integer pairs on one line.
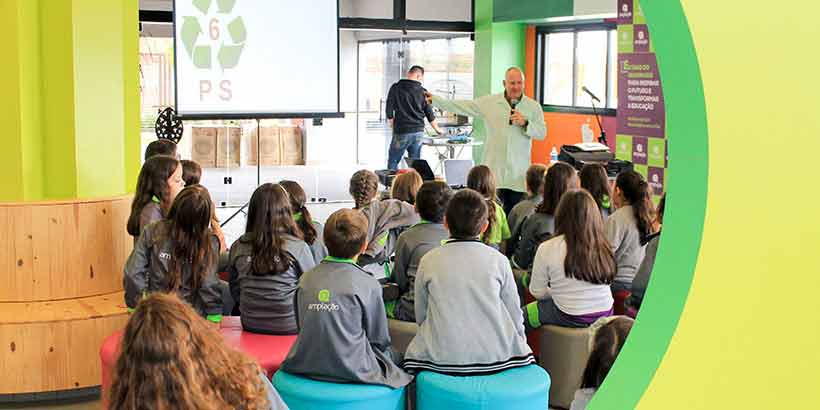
{"points": [[602, 138]]}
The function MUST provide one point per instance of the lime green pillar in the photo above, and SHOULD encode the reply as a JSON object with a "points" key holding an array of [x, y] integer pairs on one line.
{"points": [[498, 46], [72, 112]]}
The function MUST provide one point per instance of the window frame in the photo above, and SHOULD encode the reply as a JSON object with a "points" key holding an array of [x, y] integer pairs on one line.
{"points": [[540, 61]]}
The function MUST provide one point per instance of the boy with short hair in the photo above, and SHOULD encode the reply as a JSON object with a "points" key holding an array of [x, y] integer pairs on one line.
{"points": [[343, 333], [466, 301], [431, 203], [535, 182]]}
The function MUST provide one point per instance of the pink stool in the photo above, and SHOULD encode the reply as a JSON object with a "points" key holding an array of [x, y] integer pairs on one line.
{"points": [[268, 350], [109, 352]]}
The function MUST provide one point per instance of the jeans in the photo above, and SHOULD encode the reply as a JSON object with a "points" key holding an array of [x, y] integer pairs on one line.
{"points": [[411, 142]]}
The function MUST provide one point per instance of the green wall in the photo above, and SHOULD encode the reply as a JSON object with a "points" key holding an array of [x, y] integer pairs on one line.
{"points": [[72, 111], [528, 10]]}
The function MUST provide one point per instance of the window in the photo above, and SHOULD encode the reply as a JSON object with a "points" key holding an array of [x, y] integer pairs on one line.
{"points": [[570, 58]]}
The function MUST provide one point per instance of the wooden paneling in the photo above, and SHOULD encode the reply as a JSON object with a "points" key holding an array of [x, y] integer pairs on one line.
{"points": [[62, 250], [48, 346]]}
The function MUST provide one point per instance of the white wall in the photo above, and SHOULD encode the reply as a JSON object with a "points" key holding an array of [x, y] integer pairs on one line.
{"points": [[374, 9]]}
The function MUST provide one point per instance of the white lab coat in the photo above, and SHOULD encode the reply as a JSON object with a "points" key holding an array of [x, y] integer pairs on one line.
{"points": [[507, 147]]}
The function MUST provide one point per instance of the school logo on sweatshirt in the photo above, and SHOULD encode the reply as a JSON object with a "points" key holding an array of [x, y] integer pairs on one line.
{"points": [[165, 255], [325, 306]]}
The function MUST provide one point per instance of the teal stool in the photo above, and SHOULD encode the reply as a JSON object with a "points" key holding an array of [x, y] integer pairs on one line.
{"points": [[520, 388], [301, 393]]}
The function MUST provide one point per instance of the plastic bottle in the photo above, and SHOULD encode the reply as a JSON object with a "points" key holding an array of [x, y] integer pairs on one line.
{"points": [[553, 156]]}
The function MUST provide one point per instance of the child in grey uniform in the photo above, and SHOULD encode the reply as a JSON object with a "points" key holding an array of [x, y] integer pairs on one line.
{"points": [[384, 218], [311, 229], [466, 302], [535, 189], [628, 228], [159, 182], [178, 254], [540, 226], [343, 333], [431, 203], [266, 263], [596, 181]]}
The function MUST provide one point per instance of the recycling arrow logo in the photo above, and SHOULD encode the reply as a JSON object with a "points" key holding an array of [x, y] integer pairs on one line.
{"points": [[200, 45]]}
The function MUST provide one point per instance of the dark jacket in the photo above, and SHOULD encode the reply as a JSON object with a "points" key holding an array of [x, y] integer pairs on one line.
{"points": [[408, 107], [266, 300], [147, 271], [535, 229]]}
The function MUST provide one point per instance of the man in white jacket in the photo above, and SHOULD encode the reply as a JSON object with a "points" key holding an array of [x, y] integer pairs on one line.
{"points": [[512, 120]]}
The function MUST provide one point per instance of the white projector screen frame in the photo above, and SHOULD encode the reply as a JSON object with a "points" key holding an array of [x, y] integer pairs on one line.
{"points": [[255, 114]]}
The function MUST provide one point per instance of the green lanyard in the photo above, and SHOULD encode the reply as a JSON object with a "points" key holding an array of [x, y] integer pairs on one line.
{"points": [[339, 260]]}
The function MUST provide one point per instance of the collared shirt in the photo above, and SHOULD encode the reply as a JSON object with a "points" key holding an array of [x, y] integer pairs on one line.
{"points": [[507, 148]]}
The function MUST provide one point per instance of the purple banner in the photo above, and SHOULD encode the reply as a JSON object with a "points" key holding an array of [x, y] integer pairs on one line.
{"points": [[639, 148], [655, 178], [625, 11], [640, 98], [640, 38]]}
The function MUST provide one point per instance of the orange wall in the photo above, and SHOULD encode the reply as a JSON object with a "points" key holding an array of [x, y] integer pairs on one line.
{"points": [[562, 128]]}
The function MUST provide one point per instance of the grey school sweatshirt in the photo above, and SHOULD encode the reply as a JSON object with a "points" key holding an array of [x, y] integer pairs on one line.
{"points": [[343, 333], [147, 270], [317, 248], [468, 311], [622, 232], [535, 229], [413, 243], [266, 299]]}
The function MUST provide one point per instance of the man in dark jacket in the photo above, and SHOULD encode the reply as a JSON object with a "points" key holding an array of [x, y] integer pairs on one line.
{"points": [[406, 109]]}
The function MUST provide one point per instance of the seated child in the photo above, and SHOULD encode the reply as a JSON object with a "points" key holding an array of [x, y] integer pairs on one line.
{"points": [[266, 263], [161, 147], [311, 229], [405, 186], [343, 333], [535, 189], [540, 225], [383, 216], [191, 174], [629, 227], [639, 284], [178, 255], [466, 302], [482, 180], [165, 345], [606, 339], [159, 182], [573, 270], [596, 181], [416, 241]]}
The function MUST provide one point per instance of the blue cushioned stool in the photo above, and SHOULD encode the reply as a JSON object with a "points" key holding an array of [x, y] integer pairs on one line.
{"points": [[520, 388], [301, 393]]}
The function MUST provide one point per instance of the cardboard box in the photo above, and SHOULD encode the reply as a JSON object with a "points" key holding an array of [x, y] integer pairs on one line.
{"points": [[292, 146], [228, 147], [203, 146], [270, 152]]}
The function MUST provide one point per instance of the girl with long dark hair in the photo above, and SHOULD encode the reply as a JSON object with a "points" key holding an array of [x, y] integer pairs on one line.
{"points": [[573, 270], [482, 180], [630, 226], [178, 255], [159, 182], [266, 263], [311, 229]]}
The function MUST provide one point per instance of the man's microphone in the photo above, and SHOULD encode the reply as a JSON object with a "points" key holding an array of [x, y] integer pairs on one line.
{"points": [[513, 103], [586, 90]]}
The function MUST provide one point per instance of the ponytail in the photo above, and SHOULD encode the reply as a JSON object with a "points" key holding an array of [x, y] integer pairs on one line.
{"points": [[491, 221], [301, 214], [305, 223], [637, 192]]}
